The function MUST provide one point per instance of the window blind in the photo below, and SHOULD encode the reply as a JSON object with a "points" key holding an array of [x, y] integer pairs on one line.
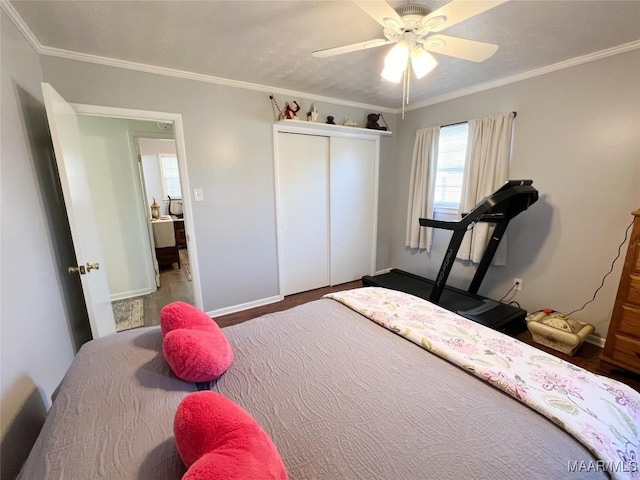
{"points": [[452, 150], [171, 176]]}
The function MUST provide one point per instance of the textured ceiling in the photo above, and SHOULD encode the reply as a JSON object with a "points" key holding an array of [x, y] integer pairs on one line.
{"points": [[269, 43]]}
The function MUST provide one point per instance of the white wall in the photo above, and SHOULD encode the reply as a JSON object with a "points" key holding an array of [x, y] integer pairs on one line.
{"points": [[568, 122], [41, 305], [229, 148], [120, 207], [577, 135], [151, 149]]}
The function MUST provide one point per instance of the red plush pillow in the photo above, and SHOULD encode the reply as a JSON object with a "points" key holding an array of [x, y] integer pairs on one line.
{"points": [[182, 315], [194, 346], [197, 355], [219, 440]]}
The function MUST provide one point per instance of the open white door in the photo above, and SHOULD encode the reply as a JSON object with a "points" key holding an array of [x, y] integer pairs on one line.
{"points": [[63, 124], [152, 243]]}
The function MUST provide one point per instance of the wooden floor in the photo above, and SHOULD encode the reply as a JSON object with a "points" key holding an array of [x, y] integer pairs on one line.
{"points": [[588, 357], [289, 301]]}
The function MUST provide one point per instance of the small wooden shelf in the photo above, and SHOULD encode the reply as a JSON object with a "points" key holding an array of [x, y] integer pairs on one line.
{"points": [[293, 125]]}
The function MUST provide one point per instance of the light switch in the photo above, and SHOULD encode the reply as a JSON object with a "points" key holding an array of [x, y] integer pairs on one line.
{"points": [[198, 195]]}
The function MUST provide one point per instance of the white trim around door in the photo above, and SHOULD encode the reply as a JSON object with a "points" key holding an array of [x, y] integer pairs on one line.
{"points": [[176, 119]]}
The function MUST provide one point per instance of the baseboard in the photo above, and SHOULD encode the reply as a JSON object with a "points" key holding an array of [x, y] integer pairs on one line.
{"points": [[595, 340], [131, 293], [245, 306]]}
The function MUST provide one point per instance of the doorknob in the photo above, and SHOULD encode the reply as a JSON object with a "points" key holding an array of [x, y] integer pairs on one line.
{"points": [[76, 269], [92, 266]]}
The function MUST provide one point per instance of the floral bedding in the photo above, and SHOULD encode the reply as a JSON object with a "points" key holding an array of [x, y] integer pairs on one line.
{"points": [[601, 413]]}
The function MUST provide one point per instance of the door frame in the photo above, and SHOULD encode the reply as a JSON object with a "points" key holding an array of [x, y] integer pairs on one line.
{"points": [[134, 140], [178, 130]]}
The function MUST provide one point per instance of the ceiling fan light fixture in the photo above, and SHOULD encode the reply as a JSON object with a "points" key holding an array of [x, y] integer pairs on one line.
{"points": [[397, 57], [422, 61], [410, 27], [395, 62], [393, 75]]}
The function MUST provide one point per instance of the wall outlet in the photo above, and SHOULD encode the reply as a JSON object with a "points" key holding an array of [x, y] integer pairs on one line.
{"points": [[517, 282]]}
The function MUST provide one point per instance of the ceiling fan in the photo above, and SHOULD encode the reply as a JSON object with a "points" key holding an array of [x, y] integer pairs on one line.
{"points": [[411, 27]]}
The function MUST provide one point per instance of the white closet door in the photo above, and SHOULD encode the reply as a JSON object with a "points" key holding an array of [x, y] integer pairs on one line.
{"points": [[352, 181], [302, 212]]}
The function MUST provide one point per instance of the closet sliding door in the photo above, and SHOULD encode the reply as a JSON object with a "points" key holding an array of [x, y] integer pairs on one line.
{"points": [[303, 240], [326, 203], [352, 208]]}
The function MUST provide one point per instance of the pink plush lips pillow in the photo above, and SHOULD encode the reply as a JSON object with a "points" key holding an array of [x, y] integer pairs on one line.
{"points": [[194, 346], [197, 355], [219, 440], [182, 315]]}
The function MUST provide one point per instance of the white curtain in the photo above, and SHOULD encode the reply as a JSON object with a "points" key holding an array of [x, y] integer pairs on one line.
{"points": [[422, 187], [486, 169]]}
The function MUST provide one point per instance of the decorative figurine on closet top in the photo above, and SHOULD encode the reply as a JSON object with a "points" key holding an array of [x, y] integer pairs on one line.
{"points": [[372, 122], [312, 115], [291, 110]]}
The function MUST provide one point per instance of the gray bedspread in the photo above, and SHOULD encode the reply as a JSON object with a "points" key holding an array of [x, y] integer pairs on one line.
{"points": [[342, 398], [112, 416]]}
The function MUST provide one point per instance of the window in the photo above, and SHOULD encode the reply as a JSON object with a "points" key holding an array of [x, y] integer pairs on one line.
{"points": [[452, 151], [170, 176]]}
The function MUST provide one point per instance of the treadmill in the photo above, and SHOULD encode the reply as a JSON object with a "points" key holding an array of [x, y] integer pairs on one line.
{"points": [[514, 197]]}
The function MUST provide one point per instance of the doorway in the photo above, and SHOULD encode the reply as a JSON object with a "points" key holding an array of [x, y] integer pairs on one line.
{"points": [[139, 285], [161, 183]]}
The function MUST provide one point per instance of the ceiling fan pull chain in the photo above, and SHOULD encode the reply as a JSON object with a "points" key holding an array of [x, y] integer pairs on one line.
{"points": [[404, 91], [408, 77]]}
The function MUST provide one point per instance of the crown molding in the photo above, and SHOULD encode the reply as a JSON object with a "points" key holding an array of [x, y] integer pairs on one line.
{"points": [[20, 25], [591, 57], [170, 72]]}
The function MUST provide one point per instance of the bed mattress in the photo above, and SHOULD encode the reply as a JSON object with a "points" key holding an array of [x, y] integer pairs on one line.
{"points": [[341, 397]]}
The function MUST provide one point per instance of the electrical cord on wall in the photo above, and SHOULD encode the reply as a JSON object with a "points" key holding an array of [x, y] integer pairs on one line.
{"points": [[626, 234], [512, 289]]}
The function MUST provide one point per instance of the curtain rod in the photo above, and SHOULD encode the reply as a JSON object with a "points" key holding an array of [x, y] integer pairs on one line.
{"points": [[515, 114]]}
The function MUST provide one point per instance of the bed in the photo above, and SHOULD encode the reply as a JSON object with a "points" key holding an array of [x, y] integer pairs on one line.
{"points": [[341, 396]]}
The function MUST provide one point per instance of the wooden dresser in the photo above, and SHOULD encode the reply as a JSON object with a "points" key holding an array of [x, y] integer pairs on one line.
{"points": [[622, 349], [181, 237]]}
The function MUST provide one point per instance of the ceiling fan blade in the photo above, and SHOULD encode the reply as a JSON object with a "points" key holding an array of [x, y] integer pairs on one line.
{"points": [[329, 52], [456, 11], [381, 12], [459, 47]]}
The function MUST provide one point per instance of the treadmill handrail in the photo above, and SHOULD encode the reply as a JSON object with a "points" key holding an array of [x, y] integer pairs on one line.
{"points": [[444, 224], [500, 207], [488, 203]]}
